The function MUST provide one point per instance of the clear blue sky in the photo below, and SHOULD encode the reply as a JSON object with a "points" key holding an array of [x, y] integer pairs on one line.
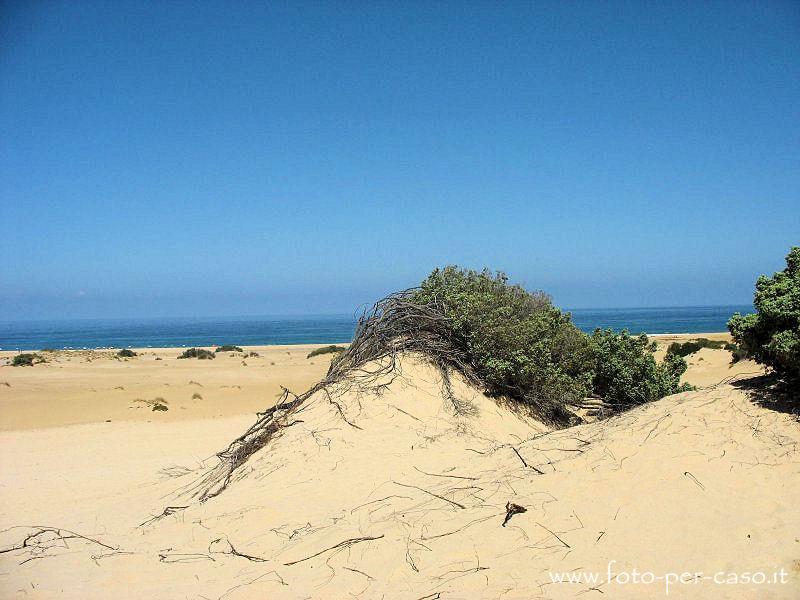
{"points": [[225, 158]]}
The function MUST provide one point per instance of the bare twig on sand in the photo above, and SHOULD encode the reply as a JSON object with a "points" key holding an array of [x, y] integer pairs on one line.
{"points": [[344, 544], [554, 535], [696, 481], [42, 538], [224, 546], [445, 475], [524, 462], [456, 504], [170, 510]]}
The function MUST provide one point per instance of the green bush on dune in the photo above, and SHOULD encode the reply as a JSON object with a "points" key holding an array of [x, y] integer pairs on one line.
{"points": [[325, 350], [126, 353], [626, 373], [771, 335], [522, 346], [26, 359], [200, 353], [692, 346], [229, 348], [519, 344]]}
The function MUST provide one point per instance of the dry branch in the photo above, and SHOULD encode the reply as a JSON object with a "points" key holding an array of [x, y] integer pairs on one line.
{"points": [[344, 544], [43, 538], [456, 504], [170, 510]]}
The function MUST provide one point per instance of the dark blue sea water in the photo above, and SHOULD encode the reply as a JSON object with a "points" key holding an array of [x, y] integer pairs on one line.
{"points": [[312, 329]]}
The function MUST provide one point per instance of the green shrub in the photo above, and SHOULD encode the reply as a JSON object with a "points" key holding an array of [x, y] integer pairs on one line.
{"points": [[692, 346], [229, 348], [520, 345], [126, 353], [26, 359], [200, 353], [325, 350], [627, 374], [771, 335]]}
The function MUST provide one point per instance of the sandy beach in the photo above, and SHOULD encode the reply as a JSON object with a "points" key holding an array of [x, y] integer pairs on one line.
{"points": [[384, 495], [90, 386]]}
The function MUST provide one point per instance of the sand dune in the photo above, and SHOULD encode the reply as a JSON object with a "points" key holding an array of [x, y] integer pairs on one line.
{"points": [[398, 497]]}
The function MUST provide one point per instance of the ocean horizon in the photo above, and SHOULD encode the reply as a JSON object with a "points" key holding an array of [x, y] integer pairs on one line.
{"points": [[164, 332]]}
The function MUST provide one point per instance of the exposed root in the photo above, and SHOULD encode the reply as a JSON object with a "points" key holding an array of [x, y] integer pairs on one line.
{"points": [[224, 546], [340, 545], [170, 510], [41, 539]]}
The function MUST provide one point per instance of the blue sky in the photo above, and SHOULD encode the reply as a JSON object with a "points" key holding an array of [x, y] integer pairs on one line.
{"points": [[196, 159]]}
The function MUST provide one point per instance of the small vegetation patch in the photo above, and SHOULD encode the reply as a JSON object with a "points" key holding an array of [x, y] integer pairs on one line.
{"points": [[200, 353], [126, 353], [326, 350], [196, 396], [692, 346], [229, 348], [156, 404], [252, 355], [26, 359]]}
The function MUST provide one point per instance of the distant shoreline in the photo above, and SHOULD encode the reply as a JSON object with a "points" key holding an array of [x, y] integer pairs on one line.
{"points": [[282, 331], [303, 346], [684, 334]]}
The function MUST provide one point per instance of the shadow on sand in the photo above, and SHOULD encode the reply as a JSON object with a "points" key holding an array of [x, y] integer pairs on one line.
{"points": [[768, 391]]}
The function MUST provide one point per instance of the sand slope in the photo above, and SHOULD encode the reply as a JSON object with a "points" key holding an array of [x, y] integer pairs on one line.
{"points": [[407, 500]]}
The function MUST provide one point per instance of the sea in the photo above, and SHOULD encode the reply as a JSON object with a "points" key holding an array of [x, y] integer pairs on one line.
{"points": [[310, 329]]}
